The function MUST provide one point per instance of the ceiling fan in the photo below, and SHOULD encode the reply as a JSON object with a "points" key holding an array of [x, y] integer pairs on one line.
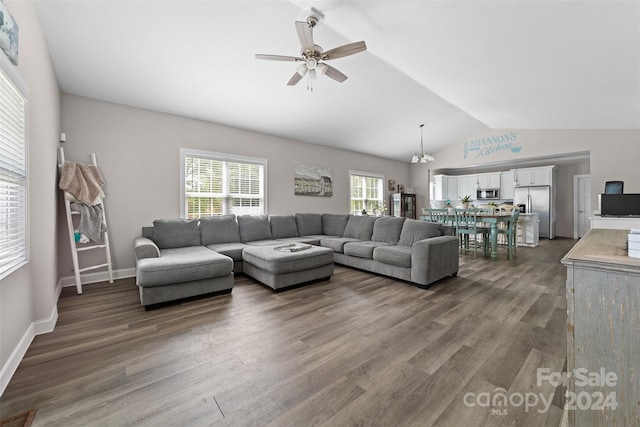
{"points": [[311, 55]]}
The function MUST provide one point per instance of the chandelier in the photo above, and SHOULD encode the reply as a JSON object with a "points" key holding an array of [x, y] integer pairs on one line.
{"points": [[422, 157]]}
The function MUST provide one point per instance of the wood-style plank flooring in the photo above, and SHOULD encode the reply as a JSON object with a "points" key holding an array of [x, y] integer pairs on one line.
{"points": [[358, 350]]}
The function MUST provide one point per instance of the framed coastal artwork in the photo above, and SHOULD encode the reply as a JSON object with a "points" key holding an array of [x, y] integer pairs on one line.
{"points": [[8, 34], [313, 180]]}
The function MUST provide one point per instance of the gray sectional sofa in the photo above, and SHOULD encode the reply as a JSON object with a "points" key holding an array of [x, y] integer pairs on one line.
{"points": [[182, 258]]}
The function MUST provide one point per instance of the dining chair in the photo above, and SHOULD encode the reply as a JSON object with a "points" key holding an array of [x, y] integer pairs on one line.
{"points": [[467, 227], [441, 216], [511, 233]]}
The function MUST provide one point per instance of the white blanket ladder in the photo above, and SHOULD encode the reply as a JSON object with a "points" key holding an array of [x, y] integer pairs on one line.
{"points": [[77, 248]]}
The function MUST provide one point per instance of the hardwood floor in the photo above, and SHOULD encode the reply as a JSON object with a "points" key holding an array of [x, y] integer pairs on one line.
{"points": [[358, 350]]}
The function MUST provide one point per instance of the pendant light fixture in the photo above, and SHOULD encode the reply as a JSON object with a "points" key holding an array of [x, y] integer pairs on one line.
{"points": [[422, 157]]}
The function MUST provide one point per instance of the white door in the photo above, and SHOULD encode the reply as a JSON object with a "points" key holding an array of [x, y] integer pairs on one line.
{"points": [[582, 205]]}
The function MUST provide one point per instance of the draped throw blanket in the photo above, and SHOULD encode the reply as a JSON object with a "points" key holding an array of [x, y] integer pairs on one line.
{"points": [[91, 221], [82, 181]]}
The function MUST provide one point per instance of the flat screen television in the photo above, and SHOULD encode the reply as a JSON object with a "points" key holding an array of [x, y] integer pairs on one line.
{"points": [[613, 187]]}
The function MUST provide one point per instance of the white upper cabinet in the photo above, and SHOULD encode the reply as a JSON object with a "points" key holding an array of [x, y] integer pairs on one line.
{"points": [[445, 188], [466, 186], [535, 176], [506, 184], [489, 180]]}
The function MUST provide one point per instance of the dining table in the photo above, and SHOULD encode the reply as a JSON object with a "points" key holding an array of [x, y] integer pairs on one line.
{"points": [[494, 220]]}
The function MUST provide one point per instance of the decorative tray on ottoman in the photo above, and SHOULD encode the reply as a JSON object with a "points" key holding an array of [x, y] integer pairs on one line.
{"points": [[292, 247]]}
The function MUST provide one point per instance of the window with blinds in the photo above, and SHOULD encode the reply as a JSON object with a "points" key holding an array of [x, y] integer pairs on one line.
{"points": [[218, 184], [13, 176], [366, 193]]}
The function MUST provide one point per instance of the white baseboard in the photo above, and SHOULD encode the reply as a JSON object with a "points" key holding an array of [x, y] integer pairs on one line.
{"points": [[14, 360], [101, 276], [43, 326]]}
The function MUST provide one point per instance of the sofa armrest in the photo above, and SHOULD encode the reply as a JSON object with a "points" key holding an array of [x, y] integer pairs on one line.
{"points": [[434, 258], [145, 248]]}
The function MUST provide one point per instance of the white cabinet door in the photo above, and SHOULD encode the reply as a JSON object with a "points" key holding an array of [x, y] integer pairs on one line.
{"points": [[506, 185], [494, 180], [541, 176], [439, 187], [467, 186], [489, 180], [535, 176], [452, 190]]}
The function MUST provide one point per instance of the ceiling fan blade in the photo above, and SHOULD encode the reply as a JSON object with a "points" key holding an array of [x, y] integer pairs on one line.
{"points": [[278, 57], [294, 79], [335, 74], [305, 34], [346, 50]]}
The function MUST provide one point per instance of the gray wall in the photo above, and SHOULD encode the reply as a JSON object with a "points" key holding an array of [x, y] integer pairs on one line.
{"points": [[28, 296], [138, 153]]}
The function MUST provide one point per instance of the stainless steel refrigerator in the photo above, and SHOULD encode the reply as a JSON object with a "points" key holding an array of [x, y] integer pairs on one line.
{"points": [[538, 200]]}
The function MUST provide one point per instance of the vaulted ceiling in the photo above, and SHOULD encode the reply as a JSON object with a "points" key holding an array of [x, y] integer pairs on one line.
{"points": [[460, 67]]}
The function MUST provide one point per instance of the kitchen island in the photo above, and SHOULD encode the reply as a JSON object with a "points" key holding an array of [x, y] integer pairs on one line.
{"points": [[603, 331]]}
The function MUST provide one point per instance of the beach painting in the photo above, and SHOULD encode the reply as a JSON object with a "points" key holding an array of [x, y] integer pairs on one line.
{"points": [[8, 34], [313, 180]]}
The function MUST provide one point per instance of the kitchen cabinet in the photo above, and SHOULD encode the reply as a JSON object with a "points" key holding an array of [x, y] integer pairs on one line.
{"points": [[446, 188], [535, 176], [506, 185], [466, 186], [489, 180]]}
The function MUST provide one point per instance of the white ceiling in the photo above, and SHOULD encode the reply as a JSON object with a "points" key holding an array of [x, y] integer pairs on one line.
{"points": [[460, 67]]}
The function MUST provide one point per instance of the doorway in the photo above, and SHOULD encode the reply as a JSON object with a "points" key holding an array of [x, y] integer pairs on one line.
{"points": [[581, 205]]}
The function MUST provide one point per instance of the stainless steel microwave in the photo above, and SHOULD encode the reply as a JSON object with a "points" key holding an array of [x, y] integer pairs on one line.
{"points": [[488, 194]]}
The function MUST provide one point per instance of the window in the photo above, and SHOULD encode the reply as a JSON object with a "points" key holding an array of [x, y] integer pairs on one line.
{"points": [[366, 192], [13, 172], [219, 184]]}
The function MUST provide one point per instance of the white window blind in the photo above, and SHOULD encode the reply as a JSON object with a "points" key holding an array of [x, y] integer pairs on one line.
{"points": [[366, 192], [217, 184], [13, 176]]}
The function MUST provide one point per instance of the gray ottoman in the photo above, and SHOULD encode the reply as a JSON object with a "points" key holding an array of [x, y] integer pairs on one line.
{"points": [[279, 270]]}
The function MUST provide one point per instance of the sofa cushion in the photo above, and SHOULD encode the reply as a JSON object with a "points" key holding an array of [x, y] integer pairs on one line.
{"points": [[334, 224], [254, 227], [387, 229], [176, 233], [362, 249], [359, 227], [232, 250], [336, 243], [309, 224], [283, 226], [395, 255], [219, 229], [178, 265], [414, 230]]}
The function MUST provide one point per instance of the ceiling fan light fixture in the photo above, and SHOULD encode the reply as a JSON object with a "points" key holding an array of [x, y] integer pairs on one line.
{"points": [[302, 69], [322, 68]]}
